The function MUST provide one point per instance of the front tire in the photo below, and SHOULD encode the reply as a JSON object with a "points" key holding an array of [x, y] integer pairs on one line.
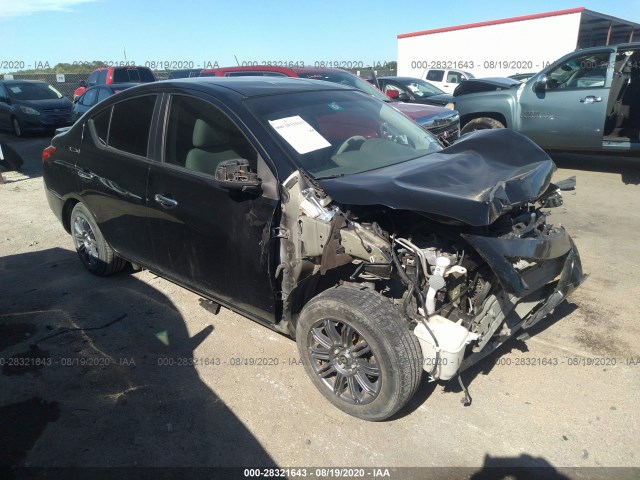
{"points": [[359, 352], [94, 252], [482, 123]]}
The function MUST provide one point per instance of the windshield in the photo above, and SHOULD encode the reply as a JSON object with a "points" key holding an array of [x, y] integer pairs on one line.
{"points": [[420, 88], [347, 79], [33, 91], [335, 133]]}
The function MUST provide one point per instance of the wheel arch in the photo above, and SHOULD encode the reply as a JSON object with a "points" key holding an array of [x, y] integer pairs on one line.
{"points": [[311, 287], [67, 208], [493, 115]]}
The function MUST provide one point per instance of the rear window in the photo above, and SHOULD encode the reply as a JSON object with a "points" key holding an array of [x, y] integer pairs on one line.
{"points": [[124, 75], [435, 75]]}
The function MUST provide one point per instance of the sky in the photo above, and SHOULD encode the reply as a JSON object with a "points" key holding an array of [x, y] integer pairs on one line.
{"points": [[201, 33]]}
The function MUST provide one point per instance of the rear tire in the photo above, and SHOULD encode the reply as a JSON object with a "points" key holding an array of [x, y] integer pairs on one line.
{"points": [[482, 123], [94, 252], [359, 352]]}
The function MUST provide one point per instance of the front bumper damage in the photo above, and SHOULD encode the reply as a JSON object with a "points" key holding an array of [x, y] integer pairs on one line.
{"points": [[529, 295]]}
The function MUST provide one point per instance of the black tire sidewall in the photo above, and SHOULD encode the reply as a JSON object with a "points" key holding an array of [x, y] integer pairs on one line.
{"points": [[102, 267], [483, 123], [384, 345]]}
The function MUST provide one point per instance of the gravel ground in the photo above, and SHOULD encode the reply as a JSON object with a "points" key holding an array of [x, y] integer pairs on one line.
{"points": [[237, 396]]}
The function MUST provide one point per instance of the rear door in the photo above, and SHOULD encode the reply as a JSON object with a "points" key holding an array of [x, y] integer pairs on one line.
{"points": [[205, 237], [112, 171], [570, 111]]}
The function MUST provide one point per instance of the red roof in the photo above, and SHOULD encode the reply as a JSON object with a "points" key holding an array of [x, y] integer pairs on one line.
{"points": [[494, 22]]}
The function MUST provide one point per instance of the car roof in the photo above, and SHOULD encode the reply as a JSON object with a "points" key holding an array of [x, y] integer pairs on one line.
{"points": [[250, 86], [274, 69], [14, 81]]}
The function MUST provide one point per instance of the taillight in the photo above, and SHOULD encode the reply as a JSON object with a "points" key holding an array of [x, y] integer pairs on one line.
{"points": [[47, 152]]}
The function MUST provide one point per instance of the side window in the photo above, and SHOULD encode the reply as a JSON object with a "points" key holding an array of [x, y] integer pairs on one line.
{"points": [[130, 125], [3, 92], [102, 77], [103, 93], [584, 71], [89, 97], [435, 75], [453, 77], [93, 79], [100, 125], [126, 125], [200, 136]]}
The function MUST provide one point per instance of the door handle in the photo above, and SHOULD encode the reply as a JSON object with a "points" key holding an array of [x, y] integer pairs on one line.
{"points": [[590, 99], [86, 174], [166, 202], [74, 150]]}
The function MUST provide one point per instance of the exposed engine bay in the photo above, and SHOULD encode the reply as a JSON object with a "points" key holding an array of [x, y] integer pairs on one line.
{"points": [[462, 289]]}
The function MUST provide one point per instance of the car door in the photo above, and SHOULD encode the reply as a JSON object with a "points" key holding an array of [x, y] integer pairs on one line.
{"points": [[112, 171], [205, 237], [568, 109]]}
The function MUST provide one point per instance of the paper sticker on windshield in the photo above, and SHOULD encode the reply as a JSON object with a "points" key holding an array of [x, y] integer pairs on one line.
{"points": [[15, 89], [300, 135]]}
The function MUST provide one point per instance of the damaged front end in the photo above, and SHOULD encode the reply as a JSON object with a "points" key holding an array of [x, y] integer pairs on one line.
{"points": [[462, 289]]}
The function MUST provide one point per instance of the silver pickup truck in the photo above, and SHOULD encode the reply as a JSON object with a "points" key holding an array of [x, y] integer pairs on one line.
{"points": [[587, 100]]}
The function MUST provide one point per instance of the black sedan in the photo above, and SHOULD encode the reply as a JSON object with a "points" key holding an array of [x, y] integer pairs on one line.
{"points": [[322, 213], [96, 94]]}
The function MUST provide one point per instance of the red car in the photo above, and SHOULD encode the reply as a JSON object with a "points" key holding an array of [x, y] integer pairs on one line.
{"points": [[441, 122], [111, 75]]}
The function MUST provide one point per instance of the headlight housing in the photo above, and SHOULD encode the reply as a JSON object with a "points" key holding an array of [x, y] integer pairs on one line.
{"points": [[450, 106], [29, 111]]}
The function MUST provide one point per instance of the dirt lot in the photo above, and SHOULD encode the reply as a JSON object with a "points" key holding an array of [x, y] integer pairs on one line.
{"points": [[105, 393]]}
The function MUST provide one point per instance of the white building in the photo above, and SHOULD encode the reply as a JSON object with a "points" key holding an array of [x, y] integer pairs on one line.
{"points": [[510, 45]]}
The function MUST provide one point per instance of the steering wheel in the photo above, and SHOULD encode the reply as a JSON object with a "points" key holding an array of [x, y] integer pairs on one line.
{"points": [[344, 145]]}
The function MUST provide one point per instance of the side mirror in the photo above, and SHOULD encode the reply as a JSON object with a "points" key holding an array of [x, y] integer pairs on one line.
{"points": [[392, 93], [404, 96], [82, 83], [235, 175], [540, 85]]}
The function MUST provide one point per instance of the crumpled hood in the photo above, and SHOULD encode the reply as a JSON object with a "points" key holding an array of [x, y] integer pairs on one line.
{"points": [[474, 181]]}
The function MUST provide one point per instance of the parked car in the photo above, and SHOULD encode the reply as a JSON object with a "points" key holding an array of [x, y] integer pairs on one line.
{"points": [[587, 100], [324, 214], [96, 94], [472, 85], [446, 80], [32, 106], [111, 75], [443, 123]]}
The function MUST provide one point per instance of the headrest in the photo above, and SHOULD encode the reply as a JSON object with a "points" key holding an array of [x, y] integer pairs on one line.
{"points": [[204, 135]]}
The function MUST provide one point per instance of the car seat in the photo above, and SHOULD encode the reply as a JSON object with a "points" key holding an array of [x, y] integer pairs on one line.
{"points": [[211, 145]]}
